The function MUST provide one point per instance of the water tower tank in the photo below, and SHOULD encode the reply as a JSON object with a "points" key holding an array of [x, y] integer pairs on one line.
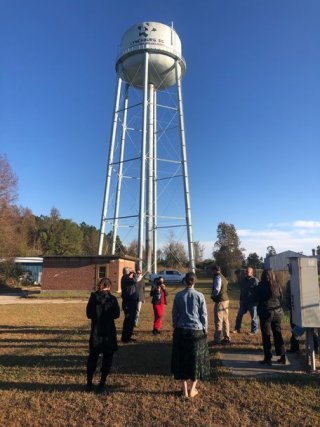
{"points": [[164, 48]]}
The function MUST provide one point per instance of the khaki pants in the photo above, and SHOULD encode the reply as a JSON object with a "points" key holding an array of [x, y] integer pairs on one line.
{"points": [[221, 320]]}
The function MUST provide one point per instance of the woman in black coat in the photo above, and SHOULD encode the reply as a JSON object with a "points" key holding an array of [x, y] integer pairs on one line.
{"points": [[269, 298], [102, 309]]}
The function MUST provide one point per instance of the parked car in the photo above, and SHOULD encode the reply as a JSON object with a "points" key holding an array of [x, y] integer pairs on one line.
{"points": [[170, 276]]}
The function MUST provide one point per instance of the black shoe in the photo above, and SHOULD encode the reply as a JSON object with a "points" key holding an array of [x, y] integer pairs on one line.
{"points": [[101, 388], [293, 350], [89, 388], [154, 332], [282, 360], [265, 362], [158, 332], [225, 341]]}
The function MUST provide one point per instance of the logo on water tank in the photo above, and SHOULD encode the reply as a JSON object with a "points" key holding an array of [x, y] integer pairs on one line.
{"points": [[146, 29]]}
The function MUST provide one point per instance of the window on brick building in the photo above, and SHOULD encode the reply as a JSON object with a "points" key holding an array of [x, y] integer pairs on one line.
{"points": [[102, 272]]}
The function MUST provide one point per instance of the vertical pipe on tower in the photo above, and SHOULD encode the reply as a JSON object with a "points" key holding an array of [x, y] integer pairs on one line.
{"points": [[109, 170], [149, 216], [143, 160], [185, 170], [155, 195], [120, 170]]}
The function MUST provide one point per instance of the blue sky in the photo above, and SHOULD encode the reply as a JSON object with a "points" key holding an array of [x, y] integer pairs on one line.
{"points": [[251, 101]]}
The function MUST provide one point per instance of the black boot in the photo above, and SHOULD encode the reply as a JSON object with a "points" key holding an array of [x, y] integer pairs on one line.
{"points": [[282, 360], [89, 386], [102, 383]]}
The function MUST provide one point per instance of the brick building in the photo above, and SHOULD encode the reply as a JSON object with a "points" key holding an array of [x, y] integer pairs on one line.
{"points": [[83, 272]]}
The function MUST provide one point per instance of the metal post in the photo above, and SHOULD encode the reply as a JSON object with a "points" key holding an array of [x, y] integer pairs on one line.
{"points": [[149, 216], [310, 348], [185, 170], [109, 170], [143, 160], [155, 187], [121, 156]]}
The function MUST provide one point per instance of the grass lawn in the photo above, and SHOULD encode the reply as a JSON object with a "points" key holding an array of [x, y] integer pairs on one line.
{"points": [[42, 376]]}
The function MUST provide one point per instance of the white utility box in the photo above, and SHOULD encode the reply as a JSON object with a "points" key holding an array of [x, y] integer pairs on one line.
{"points": [[305, 295]]}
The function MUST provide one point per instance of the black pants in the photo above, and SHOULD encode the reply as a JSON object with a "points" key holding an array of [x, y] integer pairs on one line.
{"points": [[130, 310], [92, 366], [271, 322]]}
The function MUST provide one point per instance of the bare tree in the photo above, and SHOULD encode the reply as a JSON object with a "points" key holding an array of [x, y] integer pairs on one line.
{"points": [[8, 182], [198, 249], [9, 214], [174, 253]]}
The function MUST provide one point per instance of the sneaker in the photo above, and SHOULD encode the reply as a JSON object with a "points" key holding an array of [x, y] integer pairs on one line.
{"points": [[236, 331], [253, 333]]}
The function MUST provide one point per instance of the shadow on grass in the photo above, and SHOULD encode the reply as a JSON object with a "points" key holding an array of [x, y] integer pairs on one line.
{"points": [[6, 329], [38, 361], [146, 358], [67, 388]]}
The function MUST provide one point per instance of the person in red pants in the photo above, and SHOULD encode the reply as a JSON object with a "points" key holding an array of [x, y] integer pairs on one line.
{"points": [[159, 300]]}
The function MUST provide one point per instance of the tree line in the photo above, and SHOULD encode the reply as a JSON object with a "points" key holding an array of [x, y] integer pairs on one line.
{"points": [[24, 234]]}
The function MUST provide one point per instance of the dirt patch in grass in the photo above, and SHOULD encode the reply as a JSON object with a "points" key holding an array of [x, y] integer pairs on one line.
{"points": [[42, 375]]}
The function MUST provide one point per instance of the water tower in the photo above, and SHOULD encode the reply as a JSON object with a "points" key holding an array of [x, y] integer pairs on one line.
{"points": [[148, 140]]}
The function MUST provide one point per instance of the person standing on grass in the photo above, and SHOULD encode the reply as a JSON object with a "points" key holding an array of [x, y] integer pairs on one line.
{"points": [[102, 309], [159, 300], [220, 297], [141, 294], [190, 354], [130, 297], [269, 297], [247, 301]]}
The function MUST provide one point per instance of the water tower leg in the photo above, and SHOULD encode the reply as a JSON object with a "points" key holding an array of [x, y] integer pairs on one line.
{"points": [[109, 169], [185, 170], [149, 215], [155, 187], [119, 182], [143, 161]]}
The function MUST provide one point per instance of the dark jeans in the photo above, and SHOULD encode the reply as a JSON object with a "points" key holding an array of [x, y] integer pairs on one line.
{"points": [[270, 321], [92, 365], [130, 310], [244, 307]]}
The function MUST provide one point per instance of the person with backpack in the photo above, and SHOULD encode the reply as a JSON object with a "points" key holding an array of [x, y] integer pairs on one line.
{"points": [[159, 300], [102, 309]]}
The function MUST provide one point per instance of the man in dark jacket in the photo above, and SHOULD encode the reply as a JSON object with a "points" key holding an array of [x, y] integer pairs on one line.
{"points": [[247, 301], [220, 297], [130, 298]]}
